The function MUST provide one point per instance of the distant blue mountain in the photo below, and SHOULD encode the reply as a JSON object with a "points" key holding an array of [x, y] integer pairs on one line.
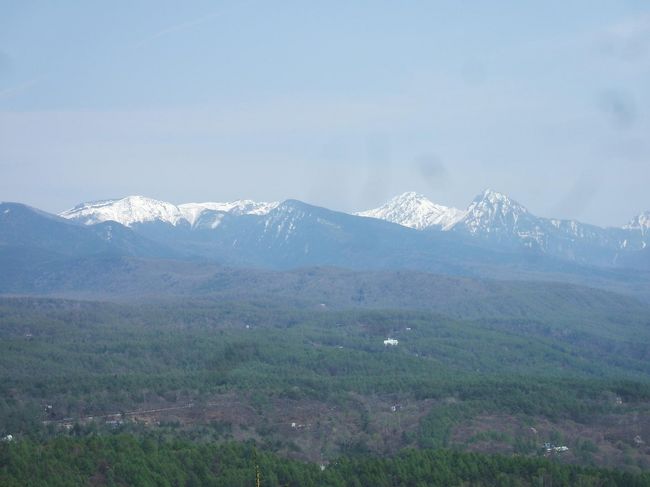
{"points": [[495, 238]]}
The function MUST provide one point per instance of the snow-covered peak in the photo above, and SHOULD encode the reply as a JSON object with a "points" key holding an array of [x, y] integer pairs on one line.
{"points": [[127, 211], [490, 200], [490, 211], [640, 222], [415, 211], [192, 211], [494, 198], [139, 209]]}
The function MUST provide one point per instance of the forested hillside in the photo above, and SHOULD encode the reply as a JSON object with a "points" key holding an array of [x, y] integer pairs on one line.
{"points": [[124, 460], [314, 383]]}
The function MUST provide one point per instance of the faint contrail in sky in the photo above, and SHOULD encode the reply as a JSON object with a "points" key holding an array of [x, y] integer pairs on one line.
{"points": [[176, 28]]}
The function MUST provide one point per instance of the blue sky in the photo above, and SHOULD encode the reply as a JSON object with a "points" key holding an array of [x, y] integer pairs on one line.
{"points": [[342, 104]]}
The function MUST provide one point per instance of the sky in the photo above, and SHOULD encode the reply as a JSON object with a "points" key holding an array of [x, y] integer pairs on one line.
{"points": [[340, 104]]}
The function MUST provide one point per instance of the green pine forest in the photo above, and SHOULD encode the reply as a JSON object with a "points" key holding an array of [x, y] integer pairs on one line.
{"points": [[207, 392]]}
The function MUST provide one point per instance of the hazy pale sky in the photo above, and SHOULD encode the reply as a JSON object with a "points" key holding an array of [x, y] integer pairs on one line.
{"points": [[341, 104]]}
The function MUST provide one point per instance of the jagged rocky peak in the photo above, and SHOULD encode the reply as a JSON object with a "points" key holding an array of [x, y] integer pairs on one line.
{"points": [[490, 199], [414, 210], [127, 211], [492, 211], [640, 222]]}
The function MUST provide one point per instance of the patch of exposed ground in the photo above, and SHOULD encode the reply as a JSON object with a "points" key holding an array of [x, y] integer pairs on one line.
{"points": [[608, 440], [317, 431]]}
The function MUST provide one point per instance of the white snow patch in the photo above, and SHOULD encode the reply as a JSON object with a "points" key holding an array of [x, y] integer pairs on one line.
{"points": [[192, 211], [640, 222], [127, 211], [139, 209], [415, 211]]}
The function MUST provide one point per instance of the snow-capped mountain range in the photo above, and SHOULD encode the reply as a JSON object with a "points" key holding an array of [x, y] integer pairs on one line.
{"points": [[492, 217], [140, 209], [495, 217], [494, 237], [490, 212]]}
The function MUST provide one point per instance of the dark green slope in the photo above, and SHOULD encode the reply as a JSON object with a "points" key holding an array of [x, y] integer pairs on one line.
{"points": [[125, 460]]}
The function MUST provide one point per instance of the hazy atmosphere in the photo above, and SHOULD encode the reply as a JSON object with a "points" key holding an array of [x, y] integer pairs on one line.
{"points": [[335, 104], [325, 244]]}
